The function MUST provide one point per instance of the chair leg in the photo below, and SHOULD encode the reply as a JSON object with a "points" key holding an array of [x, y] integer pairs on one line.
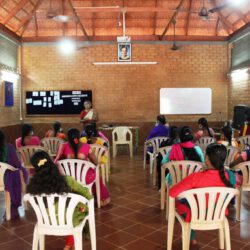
{"points": [[185, 236], [131, 150], [151, 163], [35, 239], [106, 166], [227, 235], [167, 202], [92, 228], [41, 242], [78, 241], [114, 150], [221, 238], [163, 189], [7, 205], [238, 205], [98, 192], [144, 157], [103, 172], [170, 232], [154, 172]]}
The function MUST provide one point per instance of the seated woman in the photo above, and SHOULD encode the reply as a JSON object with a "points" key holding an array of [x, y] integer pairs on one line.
{"points": [[245, 130], [185, 150], [28, 138], [12, 179], [204, 129], [226, 137], [160, 128], [74, 149], [56, 132], [48, 180], [214, 176], [173, 138], [94, 133], [89, 114]]}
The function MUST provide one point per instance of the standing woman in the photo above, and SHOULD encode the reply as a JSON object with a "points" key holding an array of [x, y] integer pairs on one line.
{"points": [[28, 138], [12, 179], [204, 129], [88, 114], [74, 149]]}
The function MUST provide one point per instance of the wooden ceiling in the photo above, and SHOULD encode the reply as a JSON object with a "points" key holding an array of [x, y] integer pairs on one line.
{"points": [[100, 20]]}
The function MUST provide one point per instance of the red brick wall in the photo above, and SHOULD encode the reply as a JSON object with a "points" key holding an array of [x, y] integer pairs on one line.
{"points": [[239, 93], [128, 93]]}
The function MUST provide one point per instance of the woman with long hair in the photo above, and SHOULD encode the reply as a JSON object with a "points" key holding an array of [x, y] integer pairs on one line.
{"points": [[12, 179], [204, 129], [74, 149], [28, 138], [48, 180], [227, 137], [57, 131], [215, 175]]}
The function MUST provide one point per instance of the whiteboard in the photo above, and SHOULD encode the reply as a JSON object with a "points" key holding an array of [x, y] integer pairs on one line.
{"points": [[175, 101]]}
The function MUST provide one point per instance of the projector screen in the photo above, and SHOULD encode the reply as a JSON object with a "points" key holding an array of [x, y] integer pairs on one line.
{"points": [[176, 101]]}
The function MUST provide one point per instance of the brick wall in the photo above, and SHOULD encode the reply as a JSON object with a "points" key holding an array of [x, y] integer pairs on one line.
{"points": [[128, 93], [239, 93]]}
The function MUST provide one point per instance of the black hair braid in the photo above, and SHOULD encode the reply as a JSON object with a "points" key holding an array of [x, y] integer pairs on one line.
{"points": [[56, 127], [208, 130], [73, 137], [2, 143], [223, 177]]}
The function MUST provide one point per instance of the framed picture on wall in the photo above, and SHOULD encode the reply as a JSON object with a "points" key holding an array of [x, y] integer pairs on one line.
{"points": [[8, 94], [124, 52]]}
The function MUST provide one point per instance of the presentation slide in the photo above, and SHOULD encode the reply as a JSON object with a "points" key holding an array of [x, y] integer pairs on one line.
{"points": [[56, 102]]}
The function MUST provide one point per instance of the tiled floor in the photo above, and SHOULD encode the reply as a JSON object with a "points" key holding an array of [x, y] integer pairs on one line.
{"points": [[133, 221]]}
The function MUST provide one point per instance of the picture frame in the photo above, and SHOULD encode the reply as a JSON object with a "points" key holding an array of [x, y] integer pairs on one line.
{"points": [[124, 52], [8, 94]]}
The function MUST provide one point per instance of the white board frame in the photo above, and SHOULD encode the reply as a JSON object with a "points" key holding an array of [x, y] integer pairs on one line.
{"points": [[188, 101]]}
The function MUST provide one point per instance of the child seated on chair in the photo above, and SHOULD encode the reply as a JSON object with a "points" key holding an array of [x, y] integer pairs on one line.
{"points": [[48, 180], [214, 176]]}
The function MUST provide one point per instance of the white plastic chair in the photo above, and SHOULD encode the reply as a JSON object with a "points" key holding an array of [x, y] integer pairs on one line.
{"points": [[119, 137], [52, 222], [178, 171], [3, 168], [163, 151], [231, 154], [155, 144], [203, 142], [244, 142], [25, 154], [99, 151], [244, 167], [52, 144], [208, 207], [78, 170]]}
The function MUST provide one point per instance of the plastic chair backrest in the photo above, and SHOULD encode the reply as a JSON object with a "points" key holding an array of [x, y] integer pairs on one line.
{"points": [[52, 144], [119, 135], [181, 169], [231, 153], [156, 142], [203, 142], [164, 150], [244, 142], [77, 169], [244, 167], [3, 168], [55, 217], [208, 205], [27, 151], [99, 151]]}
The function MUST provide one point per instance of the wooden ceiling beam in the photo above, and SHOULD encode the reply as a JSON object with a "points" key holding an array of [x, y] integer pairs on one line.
{"points": [[134, 38], [155, 17], [15, 10], [172, 18], [63, 12], [28, 18], [227, 26], [10, 33], [217, 26], [188, 17], [246, 26], [241, 15], [36, 26], [78, 20]]}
